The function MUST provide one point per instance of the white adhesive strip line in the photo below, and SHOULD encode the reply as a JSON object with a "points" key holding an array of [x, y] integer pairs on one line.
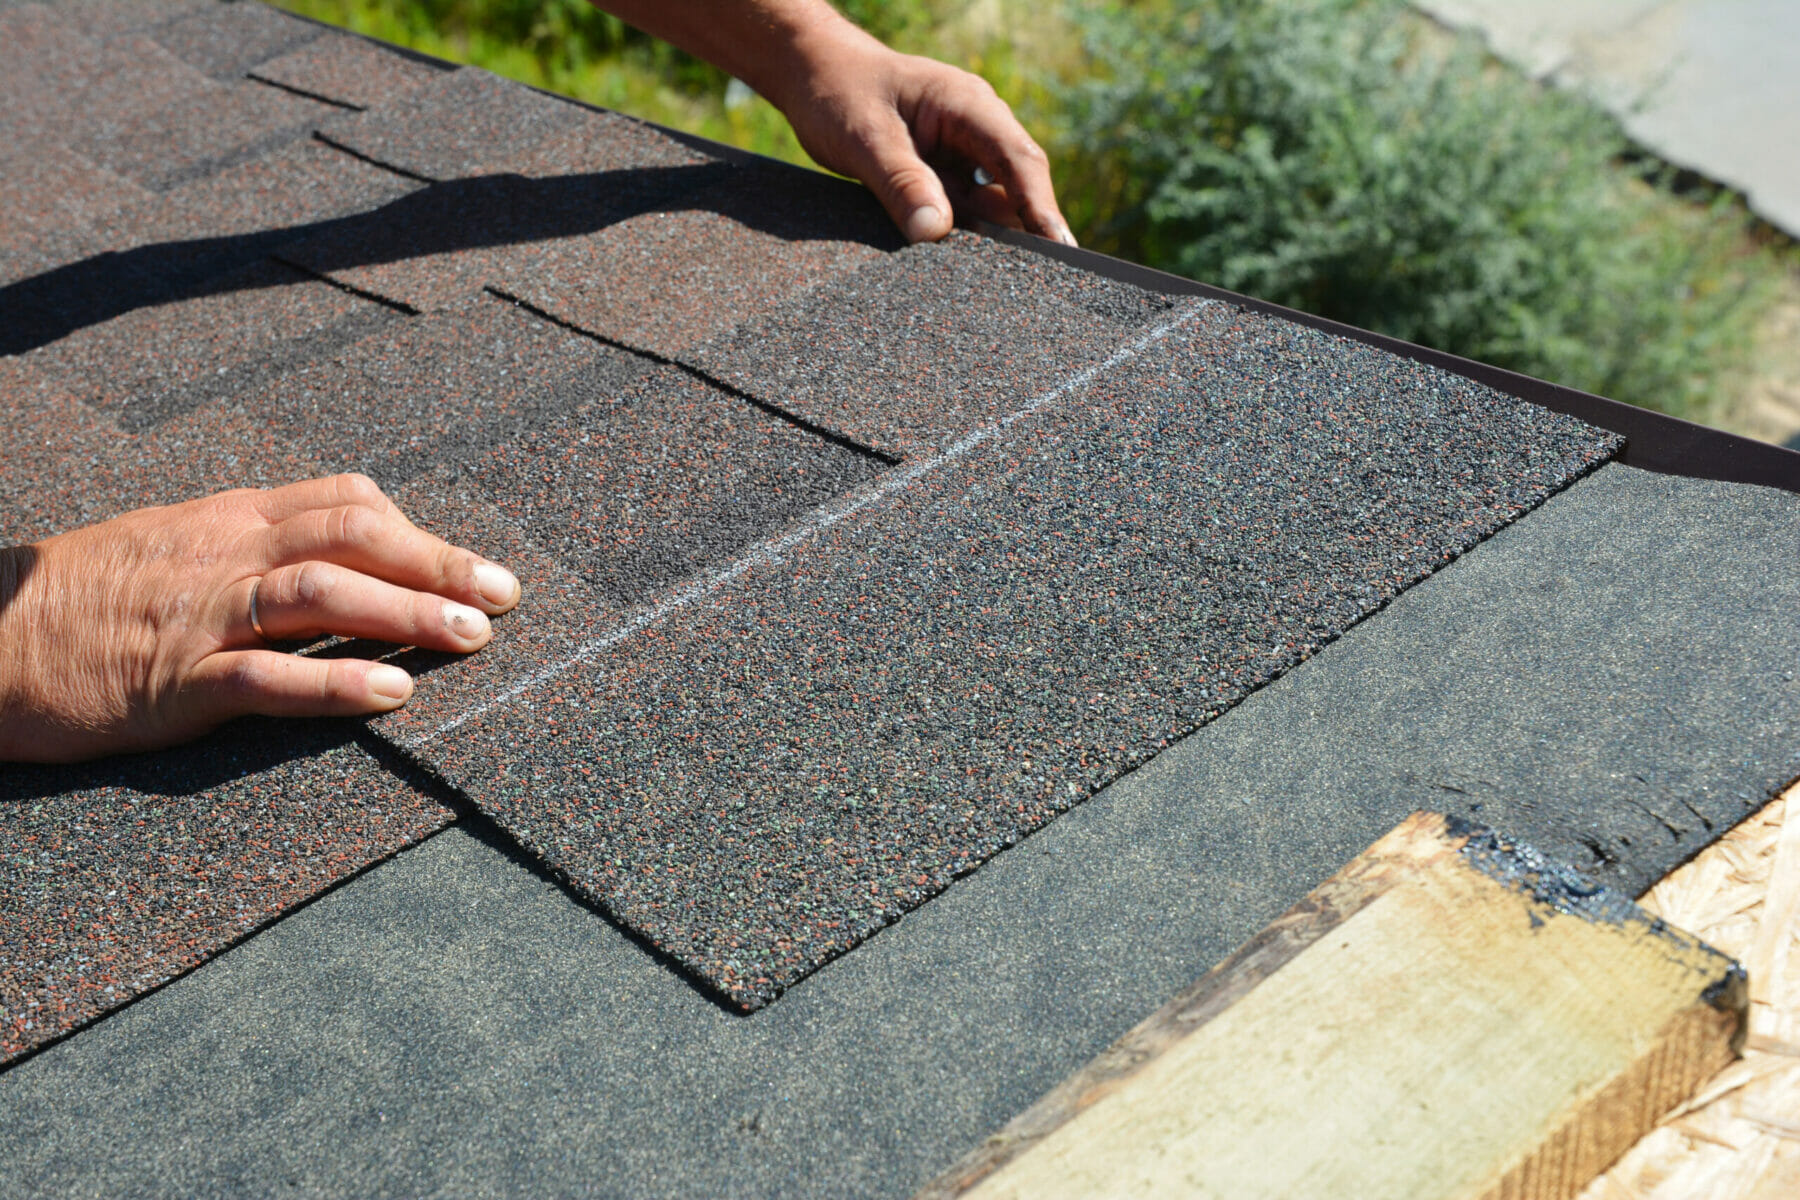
{"points": [[821, 519]]}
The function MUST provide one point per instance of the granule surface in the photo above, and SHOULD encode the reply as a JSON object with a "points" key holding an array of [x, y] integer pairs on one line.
{"points": [[765, 774]]}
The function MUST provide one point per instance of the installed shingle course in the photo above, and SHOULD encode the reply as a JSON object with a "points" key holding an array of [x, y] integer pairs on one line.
{"points": [[346, 70], [439, 247], [165, 146], [159, 361], [45, 187], [80, 91], [184, 243], [639, 481], [110, 18], [910, 352], [778, 768], [664, 280], [123, 874], [419, 392], [225, 41], [467, 122]]}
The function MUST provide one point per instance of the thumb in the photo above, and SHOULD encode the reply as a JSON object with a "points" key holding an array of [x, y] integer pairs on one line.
{"points": [[890, 166]]}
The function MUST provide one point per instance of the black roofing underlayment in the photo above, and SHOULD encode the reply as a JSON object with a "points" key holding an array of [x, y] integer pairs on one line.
{"points": [[846, 565]]}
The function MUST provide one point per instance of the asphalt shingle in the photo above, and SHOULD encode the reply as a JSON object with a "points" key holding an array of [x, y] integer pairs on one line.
{"points": [[663, 280], [775, 765], [123, 874], [227, 40], [346, 70], [911, 351]]}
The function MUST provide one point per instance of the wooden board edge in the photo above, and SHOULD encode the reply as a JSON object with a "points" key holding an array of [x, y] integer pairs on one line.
{"points": [[1420, 840], [1693, 1044]]}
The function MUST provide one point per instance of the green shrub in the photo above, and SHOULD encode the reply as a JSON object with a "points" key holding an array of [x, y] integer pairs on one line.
{"points": [[1312, 153]]}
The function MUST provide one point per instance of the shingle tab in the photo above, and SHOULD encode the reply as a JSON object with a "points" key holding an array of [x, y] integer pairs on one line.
{"points": [[216, 127], [124, 874], [778, 766], [227, 40], [468, 122], [346, 70], [637, 481], [420, 392], [910, 352], [664, 280]]}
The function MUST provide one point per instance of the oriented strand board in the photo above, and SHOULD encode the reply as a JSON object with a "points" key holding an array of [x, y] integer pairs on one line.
{"points": [[1448, 1016]]}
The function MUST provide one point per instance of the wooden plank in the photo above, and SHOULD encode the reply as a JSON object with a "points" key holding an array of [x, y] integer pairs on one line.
{"points": [[1448, 1016]]}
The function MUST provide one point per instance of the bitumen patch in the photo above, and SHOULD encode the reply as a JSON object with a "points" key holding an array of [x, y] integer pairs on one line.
{"points": [[911, 351], [122, 874], [663, 280], [227, 40], [346, 70], [452, 1024], [783, 759]]}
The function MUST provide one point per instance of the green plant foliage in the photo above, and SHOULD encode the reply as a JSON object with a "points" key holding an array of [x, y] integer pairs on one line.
{"points": [[1311, 153]]}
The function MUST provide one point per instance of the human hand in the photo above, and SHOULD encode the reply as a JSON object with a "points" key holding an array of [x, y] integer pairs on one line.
{"points": [[915, 131], [137, 632]]}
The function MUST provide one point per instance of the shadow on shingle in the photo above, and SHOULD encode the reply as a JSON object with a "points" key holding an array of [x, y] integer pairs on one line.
{"points": [[460, 216]]}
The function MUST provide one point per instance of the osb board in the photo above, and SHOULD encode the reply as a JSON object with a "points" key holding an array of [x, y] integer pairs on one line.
{"points": [[1340, 1051], [1739, 1137]]}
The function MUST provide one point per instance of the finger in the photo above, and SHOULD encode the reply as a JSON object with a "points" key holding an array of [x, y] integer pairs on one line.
{"points": [[264, 683], [331, 491], [983, 128], [311, 599], [990, 203], [388, 547], [886, 160]]}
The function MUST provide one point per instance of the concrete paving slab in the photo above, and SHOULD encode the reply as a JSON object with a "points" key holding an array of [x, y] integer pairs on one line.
{"points": [[1711, 85]]}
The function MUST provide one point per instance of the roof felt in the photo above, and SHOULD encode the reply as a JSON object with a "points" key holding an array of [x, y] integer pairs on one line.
{"points": [[769, 766], [122, 874]]}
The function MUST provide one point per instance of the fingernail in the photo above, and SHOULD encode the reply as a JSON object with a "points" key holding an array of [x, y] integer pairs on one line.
{"points": [[390, 682], [1067, 238], [925, 223], [465, 622], [496, 584]]}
